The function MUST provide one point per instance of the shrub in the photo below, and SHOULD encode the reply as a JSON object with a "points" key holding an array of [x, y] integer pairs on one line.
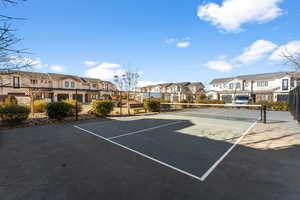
{"points": [[72, 104], [58, 110], [211, 101], [280, 106], [152, 105], [13, 113], [102, 108], [276, 106], [203, 96], [9, 100], [185, 106], [165, 106], [39, 106]]}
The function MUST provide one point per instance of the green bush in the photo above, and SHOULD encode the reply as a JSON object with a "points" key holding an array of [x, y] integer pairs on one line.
{"points": [[185, 106], [211, 101], [102, 108], [39, 106], [276, 106], [9, 100], [58, 110], [72, 104], [280, 106], [152, 105], [203, 97], [13, 113], [165, 106]]}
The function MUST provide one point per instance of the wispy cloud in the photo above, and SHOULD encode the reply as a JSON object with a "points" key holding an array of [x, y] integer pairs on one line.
{"points": [[219, 65], [179, 42], [90, 63], [183, 44], [57, 68]]}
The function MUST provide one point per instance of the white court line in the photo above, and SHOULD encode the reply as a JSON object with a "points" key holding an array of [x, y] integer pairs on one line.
{"points": [[206, 174], [144, 130], [141, 154], [202, 178]]}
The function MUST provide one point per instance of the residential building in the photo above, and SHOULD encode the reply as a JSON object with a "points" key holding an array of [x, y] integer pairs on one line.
{"points": [[258, 87], [176, 92], [25, 85]]}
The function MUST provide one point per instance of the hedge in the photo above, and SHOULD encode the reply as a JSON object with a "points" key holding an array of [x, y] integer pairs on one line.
{"points": [[13, 113], [276, 106], [9, 100], [208, 101], [72, 104], [39, 106], [102, 108], [58, 110], [153, 105]]}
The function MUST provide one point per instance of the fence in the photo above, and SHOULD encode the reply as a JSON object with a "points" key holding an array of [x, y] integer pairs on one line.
{"points": [[294, 103], [126, 102]]}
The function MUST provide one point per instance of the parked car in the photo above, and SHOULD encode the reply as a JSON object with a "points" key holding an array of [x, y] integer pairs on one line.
{"points": [[241, 100]]}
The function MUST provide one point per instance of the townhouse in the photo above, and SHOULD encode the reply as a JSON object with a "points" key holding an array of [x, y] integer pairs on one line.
{"points": [[25, 85], [175, 92], [257, 87]]}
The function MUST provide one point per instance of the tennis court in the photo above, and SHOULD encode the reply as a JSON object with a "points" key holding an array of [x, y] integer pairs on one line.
{"points": [[181, 139]]}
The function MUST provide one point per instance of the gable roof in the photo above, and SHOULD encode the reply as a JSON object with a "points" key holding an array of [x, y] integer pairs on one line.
{"points": [[54, 76], [252, 77], [175, 84]]}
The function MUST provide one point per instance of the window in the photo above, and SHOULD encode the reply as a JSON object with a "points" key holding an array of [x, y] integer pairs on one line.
{"points": [[33, 81], [72, 84], [262, 83], [238, 85], [285, 84], [266, 83], [231, 86], [16, 82], [94, 85], [67, 84]]}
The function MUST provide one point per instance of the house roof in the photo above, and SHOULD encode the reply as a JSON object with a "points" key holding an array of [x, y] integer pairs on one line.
{"points": [[220, 80], [178, 84], [264, 76], [54, 76], [90, 79]]}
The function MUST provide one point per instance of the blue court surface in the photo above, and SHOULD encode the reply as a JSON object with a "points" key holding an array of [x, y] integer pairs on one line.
{"points": [[186, 143]]}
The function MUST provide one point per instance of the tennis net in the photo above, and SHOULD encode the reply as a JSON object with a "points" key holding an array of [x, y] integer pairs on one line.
{"points": [[218, 111]]}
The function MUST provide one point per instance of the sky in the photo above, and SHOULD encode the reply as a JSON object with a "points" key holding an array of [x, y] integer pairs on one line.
{"points": [[163, 40]]}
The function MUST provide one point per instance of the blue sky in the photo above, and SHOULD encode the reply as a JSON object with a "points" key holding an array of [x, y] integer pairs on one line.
{"points": [[165, 40]]}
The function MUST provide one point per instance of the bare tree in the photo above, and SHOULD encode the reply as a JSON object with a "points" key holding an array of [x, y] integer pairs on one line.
{"points": [[127, 81], [291, 59], [11, 58]]}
